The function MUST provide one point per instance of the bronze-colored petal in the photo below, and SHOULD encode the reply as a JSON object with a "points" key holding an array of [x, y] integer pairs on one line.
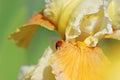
{"points": [[79, 62], [23, 35]]}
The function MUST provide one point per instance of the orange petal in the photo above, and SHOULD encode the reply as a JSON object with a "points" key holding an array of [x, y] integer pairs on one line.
{"points": [[72, 62], [24, 34]]}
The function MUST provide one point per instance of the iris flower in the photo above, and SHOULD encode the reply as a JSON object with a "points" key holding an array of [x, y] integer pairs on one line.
{"points": [[82, 24]]}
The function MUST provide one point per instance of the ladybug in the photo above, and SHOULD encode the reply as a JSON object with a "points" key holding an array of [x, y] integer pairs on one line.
{"points": [[59, 44]]}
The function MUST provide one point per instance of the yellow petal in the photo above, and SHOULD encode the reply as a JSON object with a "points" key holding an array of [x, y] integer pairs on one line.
{"points": [[80, 20], [114, 35], [53, 9], [114, 73], [67, 14], [41, 71], [93, 28], [114, 13], [59, 11], [24, 34], [26, 72], [73, 62], [76, 17]]}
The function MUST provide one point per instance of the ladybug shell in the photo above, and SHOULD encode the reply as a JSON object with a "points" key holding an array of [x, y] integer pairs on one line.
{"points": [[58, 44]]}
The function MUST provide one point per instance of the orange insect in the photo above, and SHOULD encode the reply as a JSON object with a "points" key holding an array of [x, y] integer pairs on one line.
{"points": [[58, 44]]}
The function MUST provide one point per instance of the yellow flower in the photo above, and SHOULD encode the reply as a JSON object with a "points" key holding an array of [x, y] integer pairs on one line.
{"points": [[86, 21], [81, 24]]}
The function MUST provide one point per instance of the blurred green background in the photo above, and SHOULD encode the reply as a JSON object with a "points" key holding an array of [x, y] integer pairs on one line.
{"points": [[14, 13]]}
